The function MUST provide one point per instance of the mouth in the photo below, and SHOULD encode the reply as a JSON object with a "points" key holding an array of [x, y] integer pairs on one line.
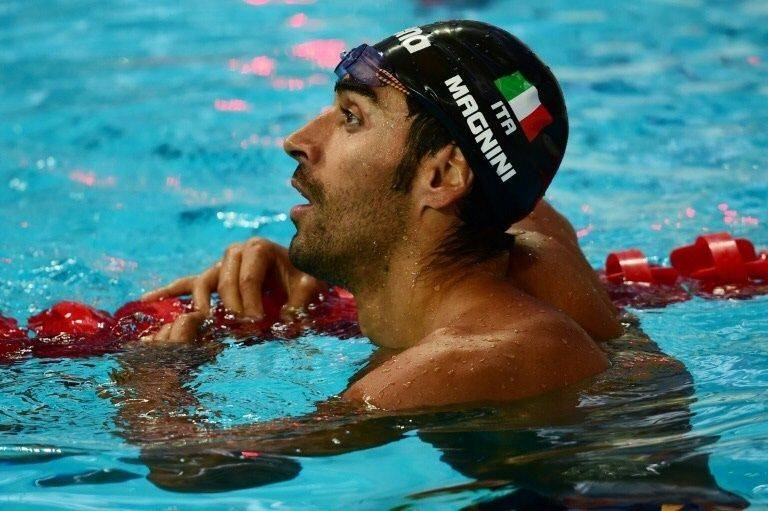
{"points": [[299, 188], [299, 210]]}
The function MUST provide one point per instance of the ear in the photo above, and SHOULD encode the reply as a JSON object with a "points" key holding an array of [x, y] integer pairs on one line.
{"points": [[442, 178]]}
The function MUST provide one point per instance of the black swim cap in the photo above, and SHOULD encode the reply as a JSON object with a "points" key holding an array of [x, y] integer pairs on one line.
{"points": [[493, 94]]}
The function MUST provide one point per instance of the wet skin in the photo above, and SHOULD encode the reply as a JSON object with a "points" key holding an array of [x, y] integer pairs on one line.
{"points": [[588, 445], [514, 326]]}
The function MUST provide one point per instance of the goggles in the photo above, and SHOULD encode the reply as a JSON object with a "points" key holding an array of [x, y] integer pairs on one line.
{"points": [[366, 65], [460, 72]]}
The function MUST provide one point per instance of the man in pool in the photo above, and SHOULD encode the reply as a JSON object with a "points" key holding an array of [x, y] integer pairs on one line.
{"points": [[439, 138]]}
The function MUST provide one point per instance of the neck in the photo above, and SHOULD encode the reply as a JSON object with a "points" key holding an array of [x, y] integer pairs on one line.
{"points": [[410, 296]]}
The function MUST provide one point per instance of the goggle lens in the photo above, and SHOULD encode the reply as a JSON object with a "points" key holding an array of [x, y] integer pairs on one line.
{"points": [[366, 65]]}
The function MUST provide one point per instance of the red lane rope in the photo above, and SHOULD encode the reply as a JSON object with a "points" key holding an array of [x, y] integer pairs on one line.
{"points": [[714, 266]]}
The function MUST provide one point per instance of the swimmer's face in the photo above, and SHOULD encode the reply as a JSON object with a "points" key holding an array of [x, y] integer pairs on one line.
{"points": [[347, 157]]}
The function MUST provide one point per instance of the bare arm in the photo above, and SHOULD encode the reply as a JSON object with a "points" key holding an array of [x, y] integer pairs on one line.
{"points": [[548, 264], [546, 220], [157, 411], [448, 367], [154, 403]]}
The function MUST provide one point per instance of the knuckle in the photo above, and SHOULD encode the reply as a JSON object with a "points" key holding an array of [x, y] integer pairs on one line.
{"points": [[220, 278], [226, 275], [190, 318], [199, 286], [259, 246], [233, 249], [307, 281], [247, 279]]}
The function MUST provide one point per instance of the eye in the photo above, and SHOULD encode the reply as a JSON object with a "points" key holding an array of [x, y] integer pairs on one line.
{"points": [[350, 118]]}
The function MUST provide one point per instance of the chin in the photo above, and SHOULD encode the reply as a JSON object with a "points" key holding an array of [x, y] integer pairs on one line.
{"points": [[295, 251], [315, 256], [301, 255]]}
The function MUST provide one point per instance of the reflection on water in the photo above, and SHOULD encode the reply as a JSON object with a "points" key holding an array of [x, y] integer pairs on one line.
{"points": [[113, 148], [622, 440]]}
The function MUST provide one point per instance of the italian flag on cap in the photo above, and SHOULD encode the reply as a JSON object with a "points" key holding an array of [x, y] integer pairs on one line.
{"points": [[524, 100]]}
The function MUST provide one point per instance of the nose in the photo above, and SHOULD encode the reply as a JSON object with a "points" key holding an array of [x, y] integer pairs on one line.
{"points": [[305, 144]]}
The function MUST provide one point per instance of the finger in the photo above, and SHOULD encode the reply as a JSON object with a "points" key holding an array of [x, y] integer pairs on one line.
{"points": [[229, 276], [178, 287], [303, 290], [165, 333], [158, 336], [203, 287], [253, 270], [186, 326]]}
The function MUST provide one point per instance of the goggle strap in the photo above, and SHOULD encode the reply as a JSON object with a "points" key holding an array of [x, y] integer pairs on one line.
{"points": [[388, 78]]}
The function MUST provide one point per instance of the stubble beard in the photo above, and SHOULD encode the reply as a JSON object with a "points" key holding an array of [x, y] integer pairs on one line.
{"points": [[346, 241]]}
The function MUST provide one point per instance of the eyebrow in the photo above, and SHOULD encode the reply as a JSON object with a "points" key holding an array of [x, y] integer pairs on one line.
{"points": [[347, 85]]}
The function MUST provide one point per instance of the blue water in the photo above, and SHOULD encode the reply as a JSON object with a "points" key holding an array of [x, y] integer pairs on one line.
{"points": [[138, 139]]}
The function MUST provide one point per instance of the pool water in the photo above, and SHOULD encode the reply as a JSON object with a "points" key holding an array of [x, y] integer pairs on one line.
{"points": [[139, 138]]}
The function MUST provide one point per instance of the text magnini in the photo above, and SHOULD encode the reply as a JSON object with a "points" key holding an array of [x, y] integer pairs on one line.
{"points": [[479, 127]]}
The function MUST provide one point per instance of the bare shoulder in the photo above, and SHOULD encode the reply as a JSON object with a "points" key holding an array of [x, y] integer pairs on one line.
{"points": [[546, 220], [454, 365], [548, 263], [557, 273]]}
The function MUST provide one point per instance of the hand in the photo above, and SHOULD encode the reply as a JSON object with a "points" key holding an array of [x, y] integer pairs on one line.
{"points": [[239, 278], [185, 328]]}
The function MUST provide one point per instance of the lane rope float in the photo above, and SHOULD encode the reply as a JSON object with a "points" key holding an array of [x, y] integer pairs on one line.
{"points": [[715, 266]]}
